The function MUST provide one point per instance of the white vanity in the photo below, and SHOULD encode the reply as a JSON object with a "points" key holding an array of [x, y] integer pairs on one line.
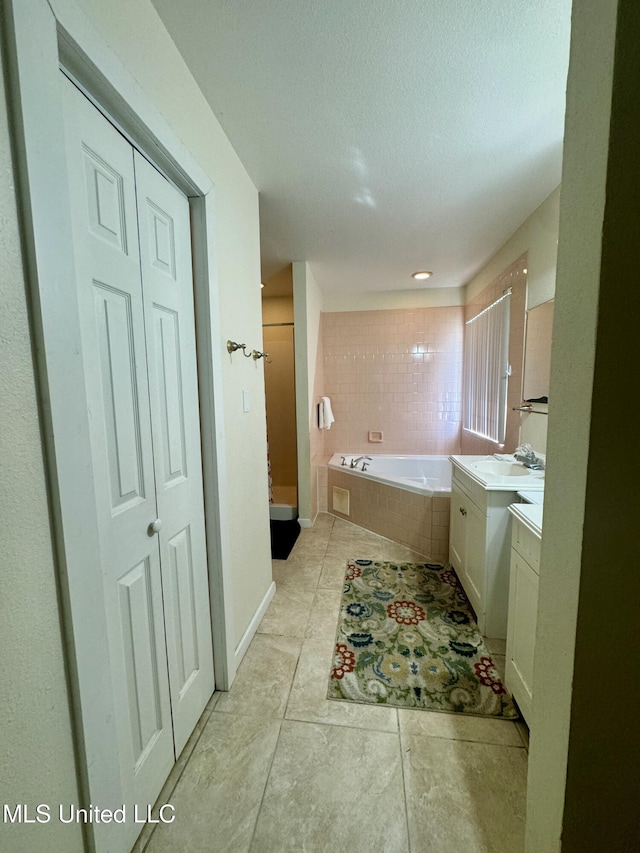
{"points": [[482, 489], [526, 536]]}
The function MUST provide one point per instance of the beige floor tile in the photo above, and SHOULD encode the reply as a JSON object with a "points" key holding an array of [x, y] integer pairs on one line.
{"points": [[495, 645], [362, 544], [288, 612], [262, 685], [308, 700], [315, 800], [313, 537], [464, 796], [335, 782], [459, 727], [323, 619], [523, 729], [323, 520], [218, 797], [166, 794], [333, 572], [300, 572]]}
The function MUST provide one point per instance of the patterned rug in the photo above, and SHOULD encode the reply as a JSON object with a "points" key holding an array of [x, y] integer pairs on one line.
{"points": [[407, 637]]}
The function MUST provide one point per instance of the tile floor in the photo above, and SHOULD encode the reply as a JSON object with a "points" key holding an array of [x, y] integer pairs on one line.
{"points": [[275, 766]]}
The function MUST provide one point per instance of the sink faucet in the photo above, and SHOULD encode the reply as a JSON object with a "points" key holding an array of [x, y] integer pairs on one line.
{"points": [[525, 454]]}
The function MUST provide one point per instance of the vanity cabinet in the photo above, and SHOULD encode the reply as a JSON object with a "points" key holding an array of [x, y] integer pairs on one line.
{"points": [[523, 605], [479, 548]]}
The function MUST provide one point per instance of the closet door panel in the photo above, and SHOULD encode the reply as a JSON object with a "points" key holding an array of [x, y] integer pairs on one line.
{"points": [[132, 656], [165, 249]]}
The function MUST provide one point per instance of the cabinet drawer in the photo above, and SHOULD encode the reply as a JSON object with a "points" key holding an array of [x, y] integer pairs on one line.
{"points": [[527, 544], [474, 490]]}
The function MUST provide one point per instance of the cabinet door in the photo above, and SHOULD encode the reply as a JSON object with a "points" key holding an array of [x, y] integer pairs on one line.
{"points": [[457, 529], [475, 561], [521, 633]]}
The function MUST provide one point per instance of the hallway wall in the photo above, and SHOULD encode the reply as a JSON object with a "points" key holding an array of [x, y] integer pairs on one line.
{"points": [[38, 764], [35, 728], [583, 763]]}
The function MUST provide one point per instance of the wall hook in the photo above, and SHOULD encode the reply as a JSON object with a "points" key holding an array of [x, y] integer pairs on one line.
{"points": [[232, 346], [256, 355]]}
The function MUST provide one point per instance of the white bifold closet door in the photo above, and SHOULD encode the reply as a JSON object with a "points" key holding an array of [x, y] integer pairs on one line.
{"points": [[131, 236]]}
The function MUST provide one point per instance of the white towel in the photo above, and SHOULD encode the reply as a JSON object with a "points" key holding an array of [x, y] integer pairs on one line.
{"points": [[325, 415]]}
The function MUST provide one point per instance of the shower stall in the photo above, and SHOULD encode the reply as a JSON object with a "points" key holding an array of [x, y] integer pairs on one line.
{"points": [[279, 377]]}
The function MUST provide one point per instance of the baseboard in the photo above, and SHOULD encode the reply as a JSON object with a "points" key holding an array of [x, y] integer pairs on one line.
{"points": [[305, 522], [243, 645]]}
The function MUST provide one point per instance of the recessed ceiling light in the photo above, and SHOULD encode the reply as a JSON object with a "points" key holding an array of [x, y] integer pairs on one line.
{"points": [[421, 275]]}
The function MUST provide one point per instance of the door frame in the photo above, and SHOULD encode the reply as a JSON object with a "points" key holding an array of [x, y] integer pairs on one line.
{"points": [[40, 42]]}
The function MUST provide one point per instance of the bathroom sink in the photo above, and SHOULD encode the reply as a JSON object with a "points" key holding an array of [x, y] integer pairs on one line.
{"points": [[505, 475], [501, 468]]}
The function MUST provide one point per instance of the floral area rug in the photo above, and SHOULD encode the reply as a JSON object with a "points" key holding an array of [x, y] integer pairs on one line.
{"points": [[407, 637]]}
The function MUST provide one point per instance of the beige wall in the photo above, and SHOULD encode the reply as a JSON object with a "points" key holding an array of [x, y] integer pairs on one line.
{"points": [[583, 766], [308, 305], [538, 238], [35, 729]]}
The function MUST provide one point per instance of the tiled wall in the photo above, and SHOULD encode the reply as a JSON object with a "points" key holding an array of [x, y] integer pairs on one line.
{"points": [[396, 371], [515, 277], [418, 521]]}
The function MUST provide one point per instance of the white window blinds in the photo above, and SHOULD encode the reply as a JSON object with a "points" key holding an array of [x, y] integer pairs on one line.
{"points": [[486, 370]]}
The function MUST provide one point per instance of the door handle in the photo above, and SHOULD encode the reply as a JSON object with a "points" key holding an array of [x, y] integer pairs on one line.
{"points": [[154, 527], [462, 510]]}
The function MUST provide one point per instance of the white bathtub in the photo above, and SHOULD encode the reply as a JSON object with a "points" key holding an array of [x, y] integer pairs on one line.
{"points": [[425, 475], [404, 498]]}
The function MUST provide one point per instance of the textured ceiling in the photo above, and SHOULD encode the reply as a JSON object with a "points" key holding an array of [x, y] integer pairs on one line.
{"points": [[385, 136]]}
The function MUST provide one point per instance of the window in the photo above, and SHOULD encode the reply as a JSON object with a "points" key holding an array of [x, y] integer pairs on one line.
{"points": [[486, 370]]}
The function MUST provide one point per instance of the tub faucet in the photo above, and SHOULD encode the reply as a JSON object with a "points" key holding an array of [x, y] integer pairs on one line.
{"points": [[354, 462]]}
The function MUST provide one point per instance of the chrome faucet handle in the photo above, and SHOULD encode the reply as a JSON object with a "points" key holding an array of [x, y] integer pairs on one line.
{"points": [[524, 450], [344, 460]]}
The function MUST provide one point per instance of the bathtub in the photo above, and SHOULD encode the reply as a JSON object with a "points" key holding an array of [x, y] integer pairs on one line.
{"points": [[404, 498], [426, 475]]}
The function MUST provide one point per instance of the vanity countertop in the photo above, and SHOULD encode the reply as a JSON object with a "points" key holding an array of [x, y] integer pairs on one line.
{"points": [[531, 497], [503, 473], [530, 515]]}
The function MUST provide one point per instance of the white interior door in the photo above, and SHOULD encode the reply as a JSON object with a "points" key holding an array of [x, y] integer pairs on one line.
{"points": [[138, 350], [165, 250]]}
